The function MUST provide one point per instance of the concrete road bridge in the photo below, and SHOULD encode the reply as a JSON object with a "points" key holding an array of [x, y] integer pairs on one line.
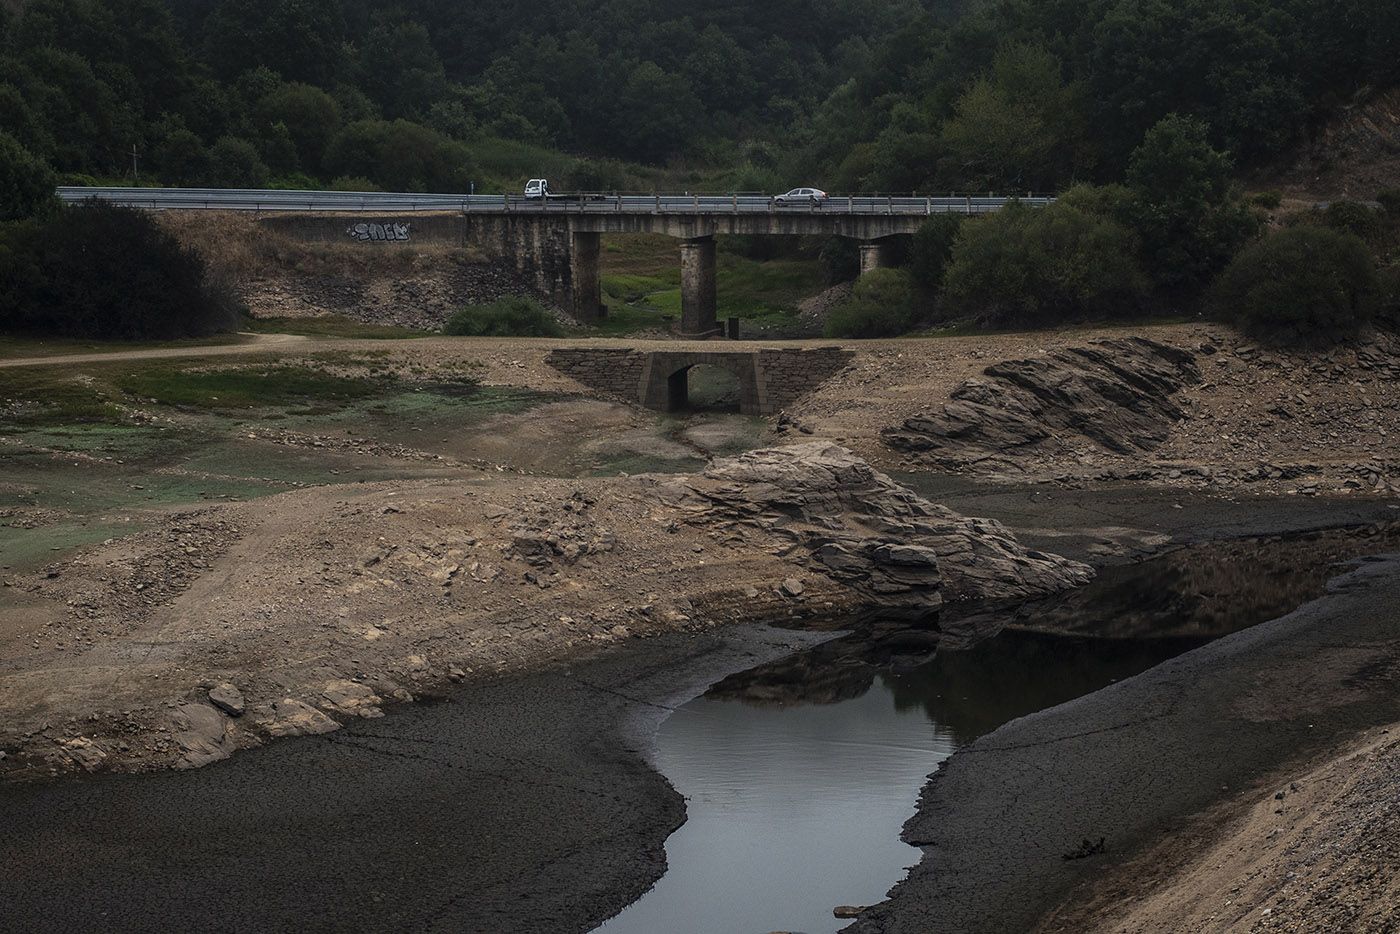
{"points": [[557, 241]]}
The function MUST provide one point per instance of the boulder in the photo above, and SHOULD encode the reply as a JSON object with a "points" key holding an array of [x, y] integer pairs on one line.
{"points": [[227, 698]]}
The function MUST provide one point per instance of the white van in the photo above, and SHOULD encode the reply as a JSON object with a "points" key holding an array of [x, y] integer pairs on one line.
{"points": [[537, 188]]}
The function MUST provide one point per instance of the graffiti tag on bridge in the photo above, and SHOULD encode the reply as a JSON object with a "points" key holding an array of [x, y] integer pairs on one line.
{"points": [[365, 233]]}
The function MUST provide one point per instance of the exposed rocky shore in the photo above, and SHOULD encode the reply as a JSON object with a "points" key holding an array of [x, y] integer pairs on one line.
{"points": [[228, 626], [1116, 394]]}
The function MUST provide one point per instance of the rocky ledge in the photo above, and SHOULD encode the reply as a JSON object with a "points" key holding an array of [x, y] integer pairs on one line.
{"points": [[290, 614], [838, 516], [1113, 395]]}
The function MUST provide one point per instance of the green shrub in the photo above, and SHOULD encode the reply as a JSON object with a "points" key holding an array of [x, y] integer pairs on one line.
{"points": [[1044, 266], [1268, 200], [1389, 200], [97, 270], [883, 303], [840, 259], [512, 316], [931, 248], [1305, 285], [1354, 218], [26, 183], [235, 163]]}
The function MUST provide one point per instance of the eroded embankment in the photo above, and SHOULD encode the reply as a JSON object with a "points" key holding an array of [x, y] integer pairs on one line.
{"points": [[1133, 764], [1183, 406], [228, 626]]}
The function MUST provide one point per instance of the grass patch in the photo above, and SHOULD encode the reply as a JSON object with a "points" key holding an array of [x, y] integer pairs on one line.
{"points": [[39, 397], [247, 387], [641, 282], [331, 326]]}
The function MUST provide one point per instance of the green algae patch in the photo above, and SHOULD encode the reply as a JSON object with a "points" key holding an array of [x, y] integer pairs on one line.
{"points": [[245, 387]]}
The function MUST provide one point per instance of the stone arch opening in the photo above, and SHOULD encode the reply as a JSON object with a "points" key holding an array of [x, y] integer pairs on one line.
{"points": [[704, 387]]}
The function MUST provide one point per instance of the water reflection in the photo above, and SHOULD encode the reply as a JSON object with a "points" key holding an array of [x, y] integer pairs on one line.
{"points": [[799, 774], [790, 812]]}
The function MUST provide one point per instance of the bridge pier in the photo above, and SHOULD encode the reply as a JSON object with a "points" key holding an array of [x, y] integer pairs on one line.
{"points": [[584, 250], [698, 303], [872, 255]]}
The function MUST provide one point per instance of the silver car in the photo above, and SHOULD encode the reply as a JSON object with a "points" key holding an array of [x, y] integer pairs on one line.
{"points": [[813, 196]]}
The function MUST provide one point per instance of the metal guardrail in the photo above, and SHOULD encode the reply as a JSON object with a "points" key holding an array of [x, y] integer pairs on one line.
{"points": [[365, 202]]}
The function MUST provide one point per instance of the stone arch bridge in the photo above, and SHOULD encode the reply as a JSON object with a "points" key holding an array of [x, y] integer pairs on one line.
{"points": [[770, 379]]}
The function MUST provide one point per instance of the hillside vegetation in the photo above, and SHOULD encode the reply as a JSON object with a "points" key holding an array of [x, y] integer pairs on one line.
{"points": [[1142, 114], [883, 94]]}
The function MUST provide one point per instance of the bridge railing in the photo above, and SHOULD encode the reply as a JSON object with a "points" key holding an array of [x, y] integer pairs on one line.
{"points": [[270, 200]]}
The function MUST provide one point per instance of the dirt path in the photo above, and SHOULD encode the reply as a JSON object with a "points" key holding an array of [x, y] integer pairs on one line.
{"points": [[255, 343]]}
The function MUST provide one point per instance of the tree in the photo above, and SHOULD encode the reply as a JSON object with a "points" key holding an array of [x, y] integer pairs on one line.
{"points": [[309, 116], [931, 249], [1044, 266], [301, 40], [1307, 285], [1224, 61], [408, 75], [135, 281], [400, 156], [1190, 220], [656, 113], [235, 163], [1018, 128], [26, 183], [176, 153]]}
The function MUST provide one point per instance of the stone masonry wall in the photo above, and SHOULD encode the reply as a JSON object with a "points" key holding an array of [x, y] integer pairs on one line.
{"points": [[769, 380], [787, 375], [615, 373]]}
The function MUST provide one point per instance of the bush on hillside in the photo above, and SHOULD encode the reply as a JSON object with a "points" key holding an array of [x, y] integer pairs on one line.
{"points": [[512, 316], [1043, 266], [931, 248], [1389, 200], [883, 303], [101, 271], [1354, 217], [26, 183], [1306, 285]]}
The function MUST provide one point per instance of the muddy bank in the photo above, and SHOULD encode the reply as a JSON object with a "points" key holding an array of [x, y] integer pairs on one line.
{"points": [[520, 804], [1115, 523], [1133, 763]]}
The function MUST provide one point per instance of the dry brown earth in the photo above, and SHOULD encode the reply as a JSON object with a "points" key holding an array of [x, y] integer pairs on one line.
{"points": [[336, 600]]}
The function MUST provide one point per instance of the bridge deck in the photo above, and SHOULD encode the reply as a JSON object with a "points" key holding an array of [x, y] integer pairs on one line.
{"points": [[229, 199]]}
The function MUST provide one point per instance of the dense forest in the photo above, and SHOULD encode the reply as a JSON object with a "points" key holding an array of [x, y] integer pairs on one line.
{"points": [[850, 94]]}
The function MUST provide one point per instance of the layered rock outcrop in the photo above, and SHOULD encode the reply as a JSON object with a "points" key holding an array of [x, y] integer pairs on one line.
{"points": [[842, 518], [1112, 395]]}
